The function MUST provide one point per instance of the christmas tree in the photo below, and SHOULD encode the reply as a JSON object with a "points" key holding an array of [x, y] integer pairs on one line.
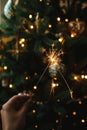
{"points": [[43, 47]]}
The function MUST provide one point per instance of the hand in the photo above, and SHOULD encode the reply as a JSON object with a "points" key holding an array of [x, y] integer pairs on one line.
{"points": [[13, 113]]}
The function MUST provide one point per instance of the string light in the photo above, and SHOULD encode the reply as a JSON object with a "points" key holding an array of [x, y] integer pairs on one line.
{"points": [[35, 87], [50, 25], [85, 76], [30, 16], [31, 27], [80, 102], [34, 111], [57, 121], [58, 19], [83, 120], [74, 113], [79, 77], [27, 78], [75, 77], [5, 67], [10, 85], [41, 0], [36, 126], [66, 20]]}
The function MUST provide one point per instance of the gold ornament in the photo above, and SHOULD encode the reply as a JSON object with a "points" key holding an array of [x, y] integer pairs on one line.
{"points": [[76, 27]]}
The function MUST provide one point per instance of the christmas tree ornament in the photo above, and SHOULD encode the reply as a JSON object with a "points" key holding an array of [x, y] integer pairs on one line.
{"points": [[4, 82], [9, 8], [4, 77], [76, 27]]}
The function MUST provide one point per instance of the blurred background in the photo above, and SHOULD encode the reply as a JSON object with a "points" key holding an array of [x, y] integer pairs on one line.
{"points": [[43, 52]]}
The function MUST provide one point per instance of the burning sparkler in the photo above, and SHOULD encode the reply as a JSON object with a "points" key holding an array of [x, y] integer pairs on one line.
{"points": [[54, 61]]}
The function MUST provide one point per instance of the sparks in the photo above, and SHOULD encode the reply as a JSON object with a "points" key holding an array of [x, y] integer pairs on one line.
{"points": [[54, 61]]}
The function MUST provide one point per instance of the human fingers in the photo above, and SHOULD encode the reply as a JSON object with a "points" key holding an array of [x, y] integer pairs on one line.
{"points": [[15, 101], [26, 107]]}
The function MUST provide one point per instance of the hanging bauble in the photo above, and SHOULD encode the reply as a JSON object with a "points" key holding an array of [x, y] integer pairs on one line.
{"points": [[4, 78], [9, 8], [77, 27], [4, 82]]}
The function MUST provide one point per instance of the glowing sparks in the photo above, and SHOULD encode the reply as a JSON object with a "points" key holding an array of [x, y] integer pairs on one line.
{"points": [[53, 85], [54, 61], [54, 65]]}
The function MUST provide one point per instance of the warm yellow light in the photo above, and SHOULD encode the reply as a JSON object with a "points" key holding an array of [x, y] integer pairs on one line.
{"points": [[66, 20], [85, 76], [54, 58], [50, 26], [61, 39], [35, 87], [55, 78], [80, 102], [10, 85], [31, 27], [75, 77], [58, 19], [36, 126], [53, 85], [21, 41], [22, 45], [83, 120], [27, 77], [74, 113], [73, 34], [34, 111], [30, 16], [57, 121], [82, 76], [41, 0], [57, 84], [5, 67]]}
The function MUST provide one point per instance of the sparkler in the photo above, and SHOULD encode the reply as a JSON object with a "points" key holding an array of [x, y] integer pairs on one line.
{"points": [[54, 60], [54, 64]]}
